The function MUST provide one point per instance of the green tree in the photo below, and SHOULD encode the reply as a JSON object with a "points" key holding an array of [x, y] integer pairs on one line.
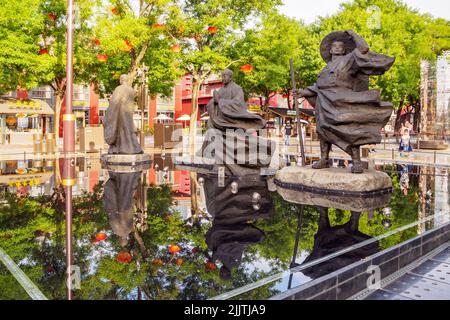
{"points": [[401, 32], [268, 48], [205, 30]]}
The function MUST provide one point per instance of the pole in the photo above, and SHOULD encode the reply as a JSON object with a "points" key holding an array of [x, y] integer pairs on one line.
{"points": [[69, 146], [299, 124]]}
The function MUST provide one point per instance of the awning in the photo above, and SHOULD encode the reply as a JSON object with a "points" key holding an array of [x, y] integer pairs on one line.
{"points": [[29, 107], [36, 178]]}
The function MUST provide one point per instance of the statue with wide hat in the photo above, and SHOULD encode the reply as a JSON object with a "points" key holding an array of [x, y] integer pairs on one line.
{"points": [[349, 115]]}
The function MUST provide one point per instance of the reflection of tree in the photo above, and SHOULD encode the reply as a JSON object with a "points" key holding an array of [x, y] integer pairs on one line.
{"points": [[32, 232]]}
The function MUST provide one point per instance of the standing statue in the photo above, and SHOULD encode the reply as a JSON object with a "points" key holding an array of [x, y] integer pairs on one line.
{"points": [[349, 115], [120, 132]]}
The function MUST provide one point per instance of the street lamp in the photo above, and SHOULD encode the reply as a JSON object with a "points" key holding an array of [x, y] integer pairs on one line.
{"points": [[143, 98]]}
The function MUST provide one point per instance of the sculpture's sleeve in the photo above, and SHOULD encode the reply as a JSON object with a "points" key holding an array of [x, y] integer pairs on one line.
{"points": [[111, 122], [371, 63]]}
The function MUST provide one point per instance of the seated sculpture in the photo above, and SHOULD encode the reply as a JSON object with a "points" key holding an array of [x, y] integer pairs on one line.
{"points": [[232, 138], [349, 115], [119, 128]]}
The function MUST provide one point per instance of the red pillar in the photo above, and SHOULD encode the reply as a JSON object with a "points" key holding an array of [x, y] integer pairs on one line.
{"points": [[178, 99], [93, 106], [151, 111]]}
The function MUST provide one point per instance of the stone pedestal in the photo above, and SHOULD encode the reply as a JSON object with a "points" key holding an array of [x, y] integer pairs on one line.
{"points": [[334, 181], [334, 188], [126, 163]]}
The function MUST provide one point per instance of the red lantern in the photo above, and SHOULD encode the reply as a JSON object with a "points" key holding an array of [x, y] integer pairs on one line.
{"points": [[128, 46], [211, 266], [43, 51], [102, 57], [101, 236], [175, 48], [158, 26], [123, 257], [174, 249], [51, 16], [212, 30], [115, 10], [247, 68], [285, 96], [97, 42]]}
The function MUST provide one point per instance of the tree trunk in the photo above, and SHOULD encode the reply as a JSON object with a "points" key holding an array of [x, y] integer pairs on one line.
{"points": [[57, 118], [194, 114]]}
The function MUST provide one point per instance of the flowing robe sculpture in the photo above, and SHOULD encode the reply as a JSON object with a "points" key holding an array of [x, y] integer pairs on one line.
{"points": [[233, 131], [120, 132], [349, 115]]}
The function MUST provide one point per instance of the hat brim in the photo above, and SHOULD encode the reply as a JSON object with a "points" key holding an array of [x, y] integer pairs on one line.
{"points": [[341, 36]]}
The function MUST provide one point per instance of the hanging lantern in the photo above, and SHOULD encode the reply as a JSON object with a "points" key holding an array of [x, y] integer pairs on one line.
{"points": [[43, 51], [97, 42], [102, 57], [123, 257], [157, 262], [158, 26], [285, 96], [247, 68], [128, 46], [115, 10], [51, 16], [212, 30], [101, 236], [175, 48]]}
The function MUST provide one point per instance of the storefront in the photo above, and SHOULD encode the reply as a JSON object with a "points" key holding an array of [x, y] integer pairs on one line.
{"points": [[24, 121]]}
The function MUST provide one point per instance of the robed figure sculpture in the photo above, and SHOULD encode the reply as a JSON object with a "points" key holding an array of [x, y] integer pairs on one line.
{"points": [[120, 131], [349, 115]]}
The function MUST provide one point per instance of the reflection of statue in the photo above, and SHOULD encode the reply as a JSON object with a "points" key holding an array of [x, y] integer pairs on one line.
{"points": [[232, 139], [231, 232], [329, 240], [349, 115], [118, 201], [120, 132]]}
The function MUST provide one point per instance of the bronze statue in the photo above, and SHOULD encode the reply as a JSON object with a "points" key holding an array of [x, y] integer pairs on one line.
{"points": [[349, 115], [228, 109], [120, 132], [230, 121]]}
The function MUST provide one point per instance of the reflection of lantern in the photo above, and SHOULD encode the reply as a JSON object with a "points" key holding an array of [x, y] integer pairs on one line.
{"points": [[174, 249], [212, 29], [101, 236], [123, 257], [11, 121], [246, 68], [102, 57], [211, 265], [175, 48], [179, 262]]}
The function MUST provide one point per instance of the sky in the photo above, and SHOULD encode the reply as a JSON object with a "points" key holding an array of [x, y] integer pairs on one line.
{"points": [[310, 10]]}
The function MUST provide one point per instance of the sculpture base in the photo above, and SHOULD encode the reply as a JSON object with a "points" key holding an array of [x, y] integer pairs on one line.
{"points": [[126, 163], [334, 181]]}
